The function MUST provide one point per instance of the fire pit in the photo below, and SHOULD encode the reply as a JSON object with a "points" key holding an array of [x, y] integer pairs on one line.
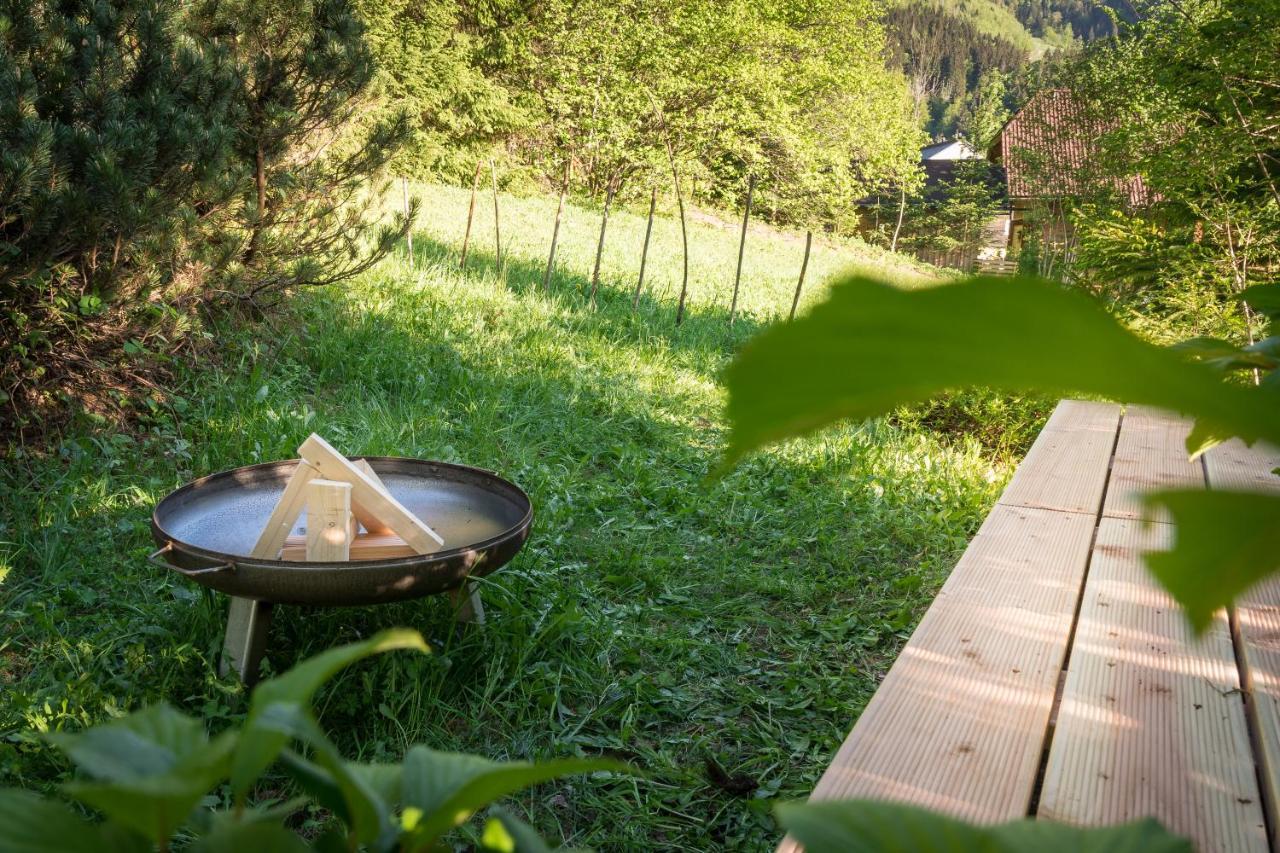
{"points": [[207, 530]]}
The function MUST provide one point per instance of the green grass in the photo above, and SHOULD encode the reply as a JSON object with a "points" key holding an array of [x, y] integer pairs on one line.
{"points": [[653, 616]]}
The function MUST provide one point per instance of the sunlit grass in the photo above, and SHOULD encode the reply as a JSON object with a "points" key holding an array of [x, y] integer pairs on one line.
{"points": [[653, 616]]}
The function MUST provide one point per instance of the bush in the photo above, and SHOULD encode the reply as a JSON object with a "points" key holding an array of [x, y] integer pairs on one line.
{"points": [[159, 157]]}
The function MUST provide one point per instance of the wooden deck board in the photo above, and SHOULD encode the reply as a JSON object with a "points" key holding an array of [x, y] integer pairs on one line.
{"points": [[958, 724], [1151, 453], [1151, 720], [1234, 466], [1066, 468]]}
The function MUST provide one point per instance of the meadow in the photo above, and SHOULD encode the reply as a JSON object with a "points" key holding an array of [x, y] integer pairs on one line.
{"points": [[720, 636]]}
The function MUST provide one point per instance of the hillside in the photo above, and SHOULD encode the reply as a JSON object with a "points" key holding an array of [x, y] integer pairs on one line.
{"points": [[959, 54]]}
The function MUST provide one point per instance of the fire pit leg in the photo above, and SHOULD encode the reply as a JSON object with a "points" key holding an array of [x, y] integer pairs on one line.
{"points": [[467, 604], [247, 624]]}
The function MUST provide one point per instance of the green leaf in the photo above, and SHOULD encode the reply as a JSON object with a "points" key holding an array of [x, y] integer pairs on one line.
{"points": [[146, 743], [157, 805], [1225, 543], [1264, 299], [448, 787], [1224, 356], [244, 837], [149, 769], [259, 746], [329, 778], [32, 824], [516, 836], [871, 348], [867, 826]]}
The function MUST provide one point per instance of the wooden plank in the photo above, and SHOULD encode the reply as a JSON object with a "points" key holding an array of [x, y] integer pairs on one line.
{"points": [[1151, 721], [244, 642], [959, 723], [370, 522], [1066, 468], [1235, 466], [1151, 453], [364, 546], [1071, 415], [332, 465], [285, 514], [329, 521]]}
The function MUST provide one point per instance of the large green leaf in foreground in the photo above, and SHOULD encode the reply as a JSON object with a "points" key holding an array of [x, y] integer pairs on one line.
{"points": [[872, 347], [867, 826]]}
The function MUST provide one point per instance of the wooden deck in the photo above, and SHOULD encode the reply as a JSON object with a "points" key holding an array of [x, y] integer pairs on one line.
{"points": [[1052, 677]]}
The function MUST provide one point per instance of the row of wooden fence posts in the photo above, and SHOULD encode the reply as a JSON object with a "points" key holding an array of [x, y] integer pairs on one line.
{"points": [[611, 191], [471, 213]]}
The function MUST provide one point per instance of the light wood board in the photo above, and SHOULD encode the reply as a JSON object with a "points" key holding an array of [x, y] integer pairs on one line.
{"points": [[959, 723], [1151, 454], [1235, 466], [1151, 721], [370, 522], [330, 525], [371, 495], [1066, 468]]}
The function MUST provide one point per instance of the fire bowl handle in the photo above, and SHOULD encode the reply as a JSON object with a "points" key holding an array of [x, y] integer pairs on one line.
{"points": [[154, 557]]}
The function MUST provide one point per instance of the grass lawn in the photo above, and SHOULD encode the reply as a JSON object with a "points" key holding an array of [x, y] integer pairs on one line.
{"points": [[653, 616]]}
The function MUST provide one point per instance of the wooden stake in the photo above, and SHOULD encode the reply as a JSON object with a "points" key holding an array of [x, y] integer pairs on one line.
{"points": [[364, 546], [742, 245], [684, 233], [471, 212], [247, 620], [804, 265], [497, 227], [684, 238], [644, 253], [285, 514], [902, 210], [555, 230], [329, 521], [604, 223], [404, 186]]}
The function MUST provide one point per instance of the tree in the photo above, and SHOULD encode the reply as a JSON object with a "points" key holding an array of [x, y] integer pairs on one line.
{"points": [[116, 134], [304, 74], [1188, 95], [429, 69]]}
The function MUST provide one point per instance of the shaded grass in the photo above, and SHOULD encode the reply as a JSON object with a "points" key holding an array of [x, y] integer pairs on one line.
{"points": [[653, 616]]}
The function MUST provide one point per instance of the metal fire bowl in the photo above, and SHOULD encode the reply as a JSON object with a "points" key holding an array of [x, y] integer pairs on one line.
{"points": [[207, 528]]}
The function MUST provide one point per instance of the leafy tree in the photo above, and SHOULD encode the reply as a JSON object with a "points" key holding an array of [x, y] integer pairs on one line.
{"points": [[116, 132], [304, 73], [159, 157], [952, 218], [1190, 93], [430, 69]]}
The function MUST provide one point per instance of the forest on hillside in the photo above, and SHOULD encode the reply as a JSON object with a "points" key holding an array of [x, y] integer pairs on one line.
{"points": [[969, 62]]}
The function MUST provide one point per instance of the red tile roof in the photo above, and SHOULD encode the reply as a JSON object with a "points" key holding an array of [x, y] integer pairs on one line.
{"points": [[1049, 150]]}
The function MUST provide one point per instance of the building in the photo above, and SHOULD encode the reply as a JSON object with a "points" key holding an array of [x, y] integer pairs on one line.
{"points": [[1049, 154]]}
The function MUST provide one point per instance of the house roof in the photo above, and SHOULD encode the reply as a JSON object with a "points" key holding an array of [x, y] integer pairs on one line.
{"points": [[1049, 149], [951, 149]]}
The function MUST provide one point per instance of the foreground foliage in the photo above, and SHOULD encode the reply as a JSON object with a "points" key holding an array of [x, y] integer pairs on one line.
{"points": [[1028, 335], [147, 773], [865, 826]]}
